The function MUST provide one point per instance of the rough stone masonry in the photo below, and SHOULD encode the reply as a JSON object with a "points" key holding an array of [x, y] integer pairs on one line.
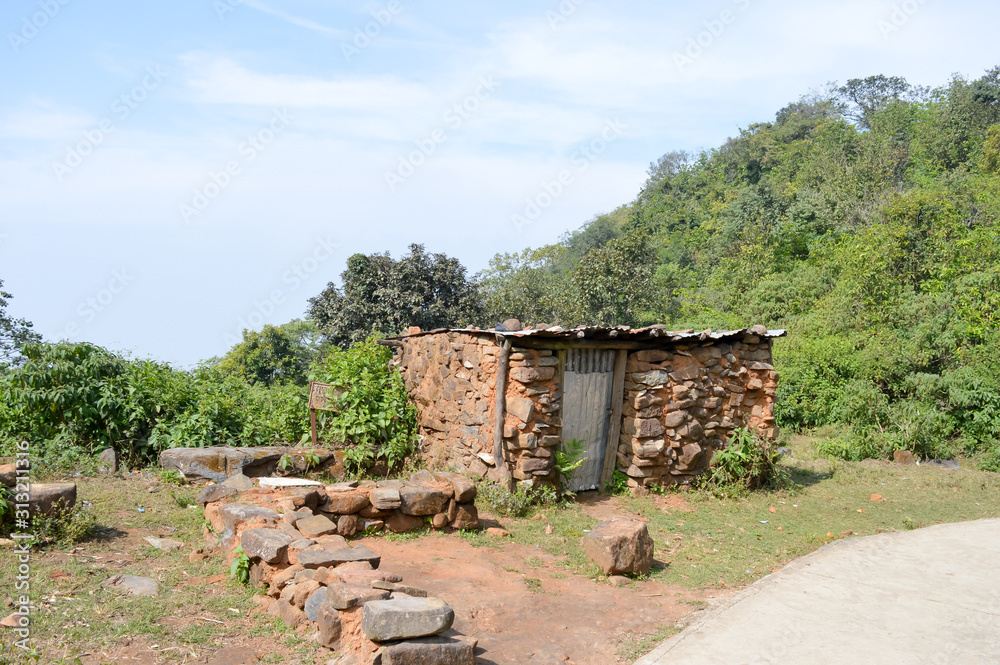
{"points": [[683, 394]]}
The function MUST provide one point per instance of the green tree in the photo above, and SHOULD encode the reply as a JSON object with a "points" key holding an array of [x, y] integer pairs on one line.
{"points": [[615, 281], [378, 293], [273, 355], [866, 97], [14, 333]]}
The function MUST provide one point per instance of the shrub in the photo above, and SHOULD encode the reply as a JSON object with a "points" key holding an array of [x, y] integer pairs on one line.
{"points": [[374, 417], [748, 462], [517, 503]]}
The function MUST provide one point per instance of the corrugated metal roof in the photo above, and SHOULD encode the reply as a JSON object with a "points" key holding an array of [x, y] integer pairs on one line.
{"points": [[649, 333]]}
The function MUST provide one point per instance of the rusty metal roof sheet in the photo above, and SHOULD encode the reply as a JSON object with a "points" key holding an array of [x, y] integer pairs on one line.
{"points": [[649, 333]]}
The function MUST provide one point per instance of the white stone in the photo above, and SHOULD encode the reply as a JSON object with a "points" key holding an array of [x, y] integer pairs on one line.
{"points": [[287, 482]]}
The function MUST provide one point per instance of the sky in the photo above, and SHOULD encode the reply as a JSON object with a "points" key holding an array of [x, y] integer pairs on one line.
{"points": [[174, 172]]}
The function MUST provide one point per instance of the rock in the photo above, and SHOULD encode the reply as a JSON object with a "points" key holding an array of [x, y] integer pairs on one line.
{"points": [[214, 493], [164, 544], [497, 531], [314, 599], [344, 596], [440, 521], [288, 613], [364, 578], [420, 500], [109, 460], [406, 618], [316, 526], [620, 546], [234, 515], [216, 463], [303, 497], [466, 517], [532, 374], [903, 457], [345, 502], [14, 620], [238, 482], [303, 590], [400, 523], [675, 419], [333, 543], [655, 377], [402, 588], [133, 585], [512, 325], [436, 650], [619, 580], [521, 407], [320, 558], [950, 464], [385, 498], [8, 475], [290, 530], [330, 626], [268, 545], [272, 481], [347, 525], [487, 459], [50, 499]]}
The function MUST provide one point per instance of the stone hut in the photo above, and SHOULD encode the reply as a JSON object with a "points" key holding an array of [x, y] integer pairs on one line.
{"points": [[651, 402]]}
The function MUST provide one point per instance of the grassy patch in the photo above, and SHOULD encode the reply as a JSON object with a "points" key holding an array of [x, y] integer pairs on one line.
{"points": [[636, 645]]}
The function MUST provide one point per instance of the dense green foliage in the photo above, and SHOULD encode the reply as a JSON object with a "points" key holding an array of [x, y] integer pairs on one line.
{"points": [[863, 220], [76, 399], [276, 354], [379, 293]]}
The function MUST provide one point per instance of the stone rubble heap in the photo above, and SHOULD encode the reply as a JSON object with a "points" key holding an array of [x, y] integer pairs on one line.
{"points": [[296, 540]]}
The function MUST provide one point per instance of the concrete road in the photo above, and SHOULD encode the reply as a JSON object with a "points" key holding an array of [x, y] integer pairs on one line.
{"points": [[926, 596]]}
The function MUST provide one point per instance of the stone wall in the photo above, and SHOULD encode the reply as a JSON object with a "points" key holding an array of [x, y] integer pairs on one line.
{"points": [[683, 403], [532, 426]]}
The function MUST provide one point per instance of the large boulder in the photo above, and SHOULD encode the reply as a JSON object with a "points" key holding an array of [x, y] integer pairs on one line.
{"points": [[620, 546], [419, 500], [405, 618]]}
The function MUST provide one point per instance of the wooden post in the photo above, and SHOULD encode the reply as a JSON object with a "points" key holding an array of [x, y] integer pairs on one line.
{"points": [[614, 427], [312, 423], [500, 410]]}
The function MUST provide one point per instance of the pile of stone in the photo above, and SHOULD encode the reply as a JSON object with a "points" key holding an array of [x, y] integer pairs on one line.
{"points": [[296, 539]]}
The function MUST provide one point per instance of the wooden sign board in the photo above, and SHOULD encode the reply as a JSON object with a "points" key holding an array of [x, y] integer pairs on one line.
{"points": [[322, 396]]}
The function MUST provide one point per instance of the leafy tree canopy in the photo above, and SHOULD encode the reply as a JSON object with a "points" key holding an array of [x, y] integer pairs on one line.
{"points": [[14, 333]]}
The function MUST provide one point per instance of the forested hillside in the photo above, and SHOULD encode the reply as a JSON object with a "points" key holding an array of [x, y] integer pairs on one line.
{"points": [[863, 220]]}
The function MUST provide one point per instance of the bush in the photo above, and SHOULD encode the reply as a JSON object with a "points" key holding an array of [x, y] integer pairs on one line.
{"points": [[374, 417], [518, 503], [748, 462]]}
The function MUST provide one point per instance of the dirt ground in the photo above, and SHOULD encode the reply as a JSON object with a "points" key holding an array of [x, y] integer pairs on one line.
{"points": [[553, 619]]}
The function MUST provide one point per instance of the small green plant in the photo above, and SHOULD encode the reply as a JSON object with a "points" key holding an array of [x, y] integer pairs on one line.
{"points": [[618, 484], [518, 503], [66, 527], [311, 460], [569, 457], [991, 461], [908, 523], [182, 501], [534, 584], [171, 477], [748, 462], [285, 463], [239, 569]]}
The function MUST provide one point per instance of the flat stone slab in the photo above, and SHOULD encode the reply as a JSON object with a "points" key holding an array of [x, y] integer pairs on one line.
{"points": [[287, 482], [164, 544], [323, 558], [405, 618], [268, 545], [401, 588], [385, 498], [216, 463], [923, 596], [436, 650], [214, 493], [345, 596], [316, 526], [133, 585]]}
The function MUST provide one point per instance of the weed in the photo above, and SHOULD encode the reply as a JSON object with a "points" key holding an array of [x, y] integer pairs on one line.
{"points": [[239, 569], [183, 501], [171, 477], [534, 584], [512, 569], [505, 503], [618, 484], [407, 535], [748, 462], [569, 457], [65, 527], [285, 463], [638, 644]]}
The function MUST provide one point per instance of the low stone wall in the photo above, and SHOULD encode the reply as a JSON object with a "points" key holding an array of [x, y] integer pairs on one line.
{"points": [[532, 424], [296, 537], [683, 404]]}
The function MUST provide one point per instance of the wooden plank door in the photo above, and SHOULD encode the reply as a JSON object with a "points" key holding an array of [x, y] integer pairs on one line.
{"points": [[587, 388]]}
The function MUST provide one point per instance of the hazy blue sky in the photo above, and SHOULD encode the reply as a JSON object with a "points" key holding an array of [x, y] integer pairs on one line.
{"points": [[171, 172]]}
